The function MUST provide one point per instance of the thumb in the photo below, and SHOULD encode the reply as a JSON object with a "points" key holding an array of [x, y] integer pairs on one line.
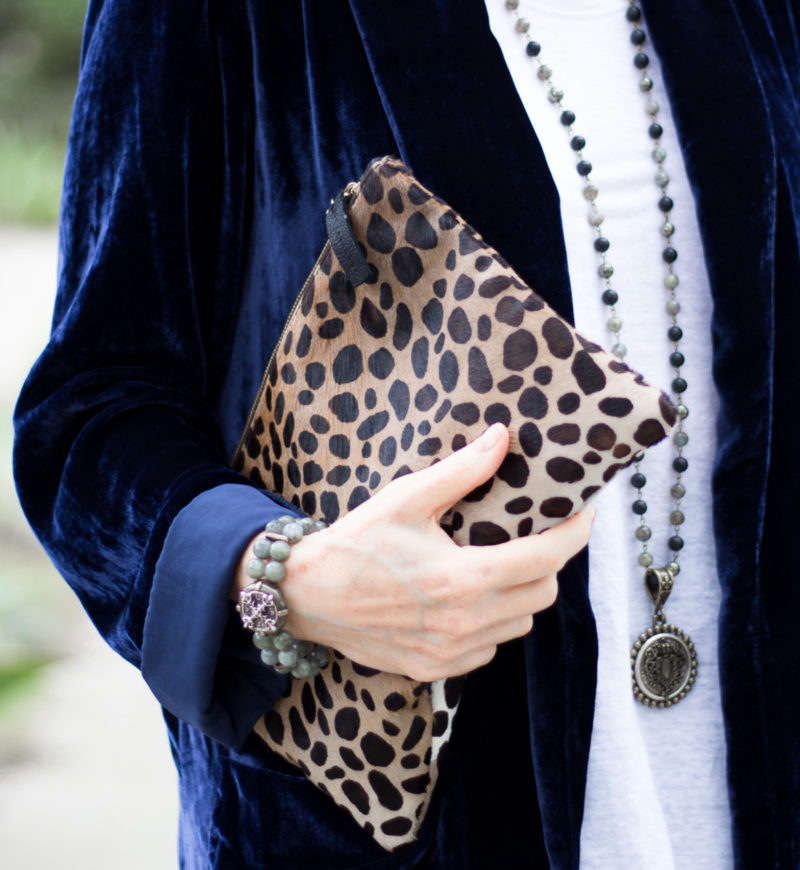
{"points": [[437, 488]]}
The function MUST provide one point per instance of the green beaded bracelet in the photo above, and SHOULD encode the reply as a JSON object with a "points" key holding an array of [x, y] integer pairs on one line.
{"points": [[261, 604]]}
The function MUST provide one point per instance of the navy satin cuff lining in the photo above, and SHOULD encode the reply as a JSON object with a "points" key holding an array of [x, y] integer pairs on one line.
{"points": [[196, 658]]}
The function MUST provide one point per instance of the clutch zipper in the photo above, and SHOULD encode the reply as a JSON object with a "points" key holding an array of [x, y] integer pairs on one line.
{"points": [[349, 192]]}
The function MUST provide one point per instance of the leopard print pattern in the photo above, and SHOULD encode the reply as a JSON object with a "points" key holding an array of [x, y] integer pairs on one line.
{"points": [[371, 383]]}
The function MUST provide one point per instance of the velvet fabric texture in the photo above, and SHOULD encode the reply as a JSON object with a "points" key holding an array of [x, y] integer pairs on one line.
{"points": [[207, 141]]}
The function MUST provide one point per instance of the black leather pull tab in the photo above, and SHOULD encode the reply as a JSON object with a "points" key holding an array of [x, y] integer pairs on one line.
{"points": [[343, 242]]}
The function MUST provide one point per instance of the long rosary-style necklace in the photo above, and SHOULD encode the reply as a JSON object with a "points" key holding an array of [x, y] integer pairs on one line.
{"points": [[663, 658]]}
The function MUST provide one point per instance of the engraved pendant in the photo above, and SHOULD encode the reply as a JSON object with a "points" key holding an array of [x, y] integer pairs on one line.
{"points": [[663, 659], [664, 666]]}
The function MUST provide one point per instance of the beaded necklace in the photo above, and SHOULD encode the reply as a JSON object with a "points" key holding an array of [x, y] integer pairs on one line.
{"points": [[663, 658]]}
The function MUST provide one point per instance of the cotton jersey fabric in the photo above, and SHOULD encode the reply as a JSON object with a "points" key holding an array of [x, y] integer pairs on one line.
{"points": [[207, 140]]}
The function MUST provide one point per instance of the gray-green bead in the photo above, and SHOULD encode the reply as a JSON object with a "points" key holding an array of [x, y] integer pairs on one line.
{"points": [[667, 228], [522, 25], [677, 518], [264, 641], [677, 490], [614, 324], [674, 568], [261, 548], [283, 640], [596, 218], [279, 551], [288, 657], [590, 192], [302, 647], [319, 655], [544, 72], [681, 439], [619, 350], [605, 270], [286, 518], [274, 572], [673, 307], [643, 533], [662, 179], [302, 669], [273, 526], [683, 411], [293, 531], [269, 656], [308, 525], [659, 155], [321, 524], [671, 280], [645, 560], [254, 568]]}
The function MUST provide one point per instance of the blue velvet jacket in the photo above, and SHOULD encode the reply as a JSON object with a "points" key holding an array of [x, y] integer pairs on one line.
{"points": [[207, 140]]}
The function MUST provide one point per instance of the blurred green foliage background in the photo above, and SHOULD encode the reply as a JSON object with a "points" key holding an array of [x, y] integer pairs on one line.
{"points": [[39, 56]]}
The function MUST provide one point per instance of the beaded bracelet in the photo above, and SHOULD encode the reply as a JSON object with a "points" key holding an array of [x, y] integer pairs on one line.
{"points": [[262, 606]]}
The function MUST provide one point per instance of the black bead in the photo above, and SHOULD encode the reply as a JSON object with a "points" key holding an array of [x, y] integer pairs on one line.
{"points": [[655, 131], [601, 244], [679, 464], [638, 36], [639, 507], [567, 118], [584, 167], [679, 385], [577, 143], [641, 60], [633, 13], [676, 543], [676, 359], [533, 49], [665, 204], [674, 333], [610, 297], [669, 255], [638, 480]]}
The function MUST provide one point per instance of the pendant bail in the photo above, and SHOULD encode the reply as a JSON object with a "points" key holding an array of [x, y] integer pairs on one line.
{"points": [[658, 582]]}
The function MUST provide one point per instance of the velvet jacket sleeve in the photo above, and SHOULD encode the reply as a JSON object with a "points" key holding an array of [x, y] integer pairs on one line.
{"points": [[119, 459]]}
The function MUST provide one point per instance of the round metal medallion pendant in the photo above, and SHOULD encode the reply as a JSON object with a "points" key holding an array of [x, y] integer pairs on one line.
{"points": [[664, 666]]}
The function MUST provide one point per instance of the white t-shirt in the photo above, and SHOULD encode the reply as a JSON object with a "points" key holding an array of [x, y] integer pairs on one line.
{"points": [[656, 792]]}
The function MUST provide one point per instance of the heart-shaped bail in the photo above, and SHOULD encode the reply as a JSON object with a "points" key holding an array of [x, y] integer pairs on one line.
{"points": [[658, 583]]}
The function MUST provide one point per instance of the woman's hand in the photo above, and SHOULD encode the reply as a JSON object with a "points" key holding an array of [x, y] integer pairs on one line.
{"points": [[387, 587]]}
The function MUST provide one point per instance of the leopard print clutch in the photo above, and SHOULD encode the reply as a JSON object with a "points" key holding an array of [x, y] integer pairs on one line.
{"points": [[374, 381]]}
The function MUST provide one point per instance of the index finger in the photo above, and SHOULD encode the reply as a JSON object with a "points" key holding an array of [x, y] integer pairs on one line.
{"points": [[521, 560]]}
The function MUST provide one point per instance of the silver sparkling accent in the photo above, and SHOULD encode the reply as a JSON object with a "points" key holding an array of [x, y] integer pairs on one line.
{"points": [[643, 533], [671, 280], [673, 306]]}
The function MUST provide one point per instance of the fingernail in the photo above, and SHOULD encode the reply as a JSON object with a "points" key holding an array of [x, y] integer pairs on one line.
{"points": [[489, 438]]}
